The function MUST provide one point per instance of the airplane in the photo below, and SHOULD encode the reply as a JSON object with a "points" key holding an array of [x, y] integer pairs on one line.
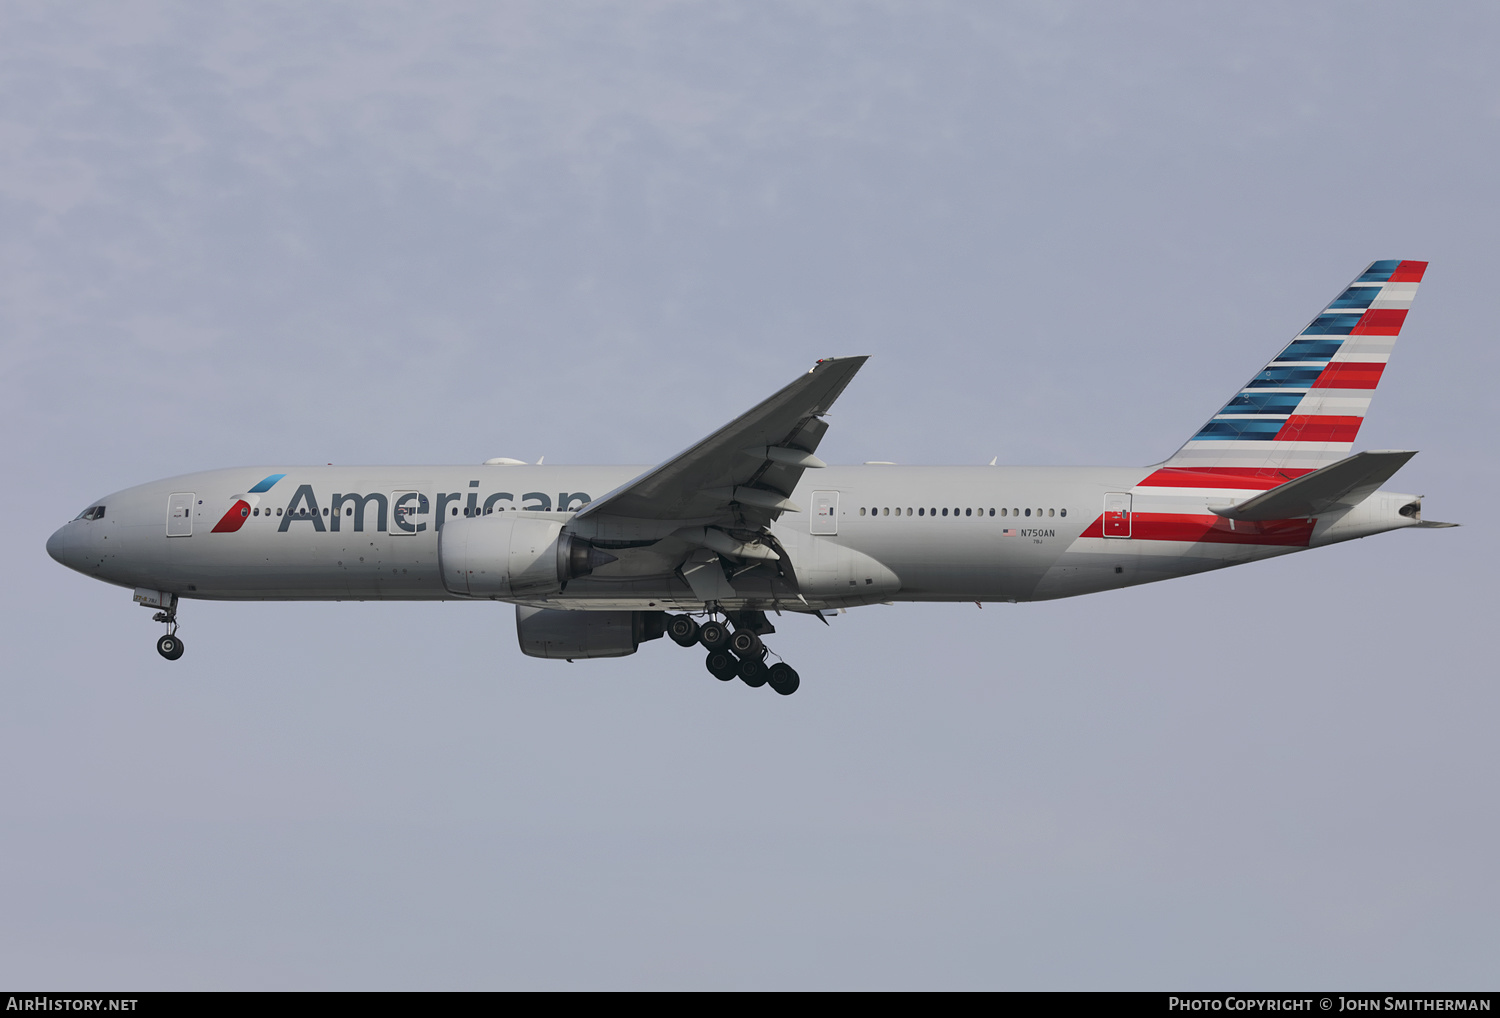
{"points": [[748, 521]]}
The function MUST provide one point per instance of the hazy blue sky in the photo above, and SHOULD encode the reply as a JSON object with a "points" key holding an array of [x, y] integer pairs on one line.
{"points": [[440, 232]]}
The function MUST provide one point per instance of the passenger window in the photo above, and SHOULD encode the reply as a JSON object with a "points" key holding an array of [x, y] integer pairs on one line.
{"points": [[908, 510], [861, 510], [887, 511], [1028, 512], [1051, 512], [968, 512], [992, 512], [945, 510], [1062, 512], [922, 512], [278, 512]]}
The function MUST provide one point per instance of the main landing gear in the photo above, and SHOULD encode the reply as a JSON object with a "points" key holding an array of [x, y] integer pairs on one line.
{"points": [[737, 653]]}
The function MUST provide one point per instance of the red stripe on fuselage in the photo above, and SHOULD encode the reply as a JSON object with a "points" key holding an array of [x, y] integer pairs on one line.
{"points": [[1210, 530], [1222, 477], [234, 519]]}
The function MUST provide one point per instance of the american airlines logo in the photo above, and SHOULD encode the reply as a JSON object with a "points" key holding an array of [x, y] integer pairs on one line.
{"points": [[396, 512]]}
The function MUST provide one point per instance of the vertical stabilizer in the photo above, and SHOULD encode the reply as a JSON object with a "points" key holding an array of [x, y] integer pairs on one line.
{"points": [[1303, 410]]}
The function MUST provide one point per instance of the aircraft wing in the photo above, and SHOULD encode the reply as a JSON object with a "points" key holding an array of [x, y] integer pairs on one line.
{"points": [[1337, 486], [742, 474]]}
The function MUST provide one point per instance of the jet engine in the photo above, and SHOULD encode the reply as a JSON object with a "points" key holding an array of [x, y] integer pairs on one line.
{"points": [[546, 632], [513, 555]]}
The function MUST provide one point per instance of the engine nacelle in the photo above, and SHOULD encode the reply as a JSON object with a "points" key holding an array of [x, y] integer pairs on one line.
{"points": [[512, 555], [547, 632]]}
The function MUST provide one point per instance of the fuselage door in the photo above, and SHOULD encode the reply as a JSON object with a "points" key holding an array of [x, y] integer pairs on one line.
{"points": [[180, 513], [410, 513], [825, 513], [1117, 514]]}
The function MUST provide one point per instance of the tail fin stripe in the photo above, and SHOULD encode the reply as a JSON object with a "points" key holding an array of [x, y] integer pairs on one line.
{"points": [[1395, 295], [1380, 322], [1340, 323], [1381, 271], [1304, 409], [1408, 272], [1356, 298], [1319, 428], [1350, 375], [1267, 430], [1298, 378], [1263, 403]]}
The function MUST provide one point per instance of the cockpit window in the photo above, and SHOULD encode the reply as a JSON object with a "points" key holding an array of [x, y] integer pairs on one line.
{"points": [[93, 512]]}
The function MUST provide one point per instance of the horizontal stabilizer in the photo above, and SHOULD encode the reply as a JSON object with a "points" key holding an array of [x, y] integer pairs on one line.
{"points": [[1337, 486]]}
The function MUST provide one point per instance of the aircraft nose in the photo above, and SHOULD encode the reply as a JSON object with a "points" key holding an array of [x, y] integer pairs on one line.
{"points": [[62, 544]]}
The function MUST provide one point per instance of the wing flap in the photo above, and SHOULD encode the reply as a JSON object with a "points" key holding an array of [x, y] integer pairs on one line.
{"points": [[1337, 486]]}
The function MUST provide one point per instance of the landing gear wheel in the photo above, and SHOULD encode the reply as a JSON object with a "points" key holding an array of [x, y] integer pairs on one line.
{"points": [[783, 678], [683, 630], [746, 644], [753, 672], [169, 647], [713, 635], [722, 665]]}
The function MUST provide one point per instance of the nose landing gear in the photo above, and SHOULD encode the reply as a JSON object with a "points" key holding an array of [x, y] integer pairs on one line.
{"points": [[169, 646]]}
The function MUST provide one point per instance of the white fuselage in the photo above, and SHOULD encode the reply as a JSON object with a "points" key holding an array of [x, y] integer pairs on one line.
{"points": [[899, 533]]}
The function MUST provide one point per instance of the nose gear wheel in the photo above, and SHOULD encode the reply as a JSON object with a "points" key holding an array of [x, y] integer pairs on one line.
{"points": [[169, 646]]}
